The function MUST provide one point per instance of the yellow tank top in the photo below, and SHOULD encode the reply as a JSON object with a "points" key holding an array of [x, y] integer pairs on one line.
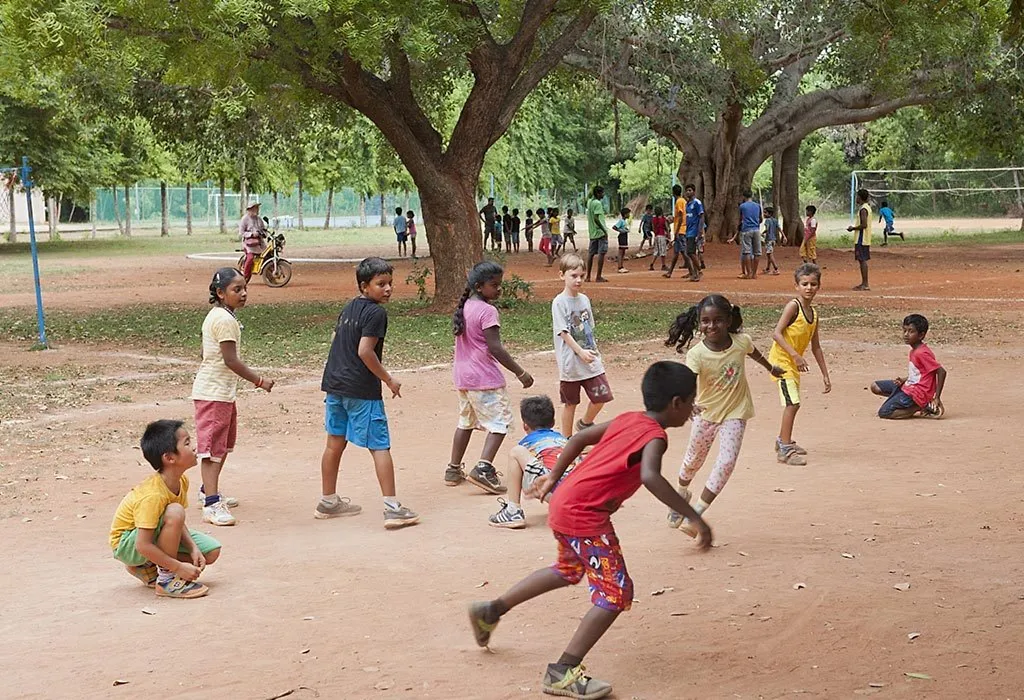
{"points": [[798, 334], [865, 235]]}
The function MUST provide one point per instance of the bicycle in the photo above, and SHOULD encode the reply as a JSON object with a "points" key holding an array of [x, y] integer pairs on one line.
{"points": [[269, 263]]}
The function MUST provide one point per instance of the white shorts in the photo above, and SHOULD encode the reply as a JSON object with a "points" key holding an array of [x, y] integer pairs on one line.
{"points": [[489, 409]]}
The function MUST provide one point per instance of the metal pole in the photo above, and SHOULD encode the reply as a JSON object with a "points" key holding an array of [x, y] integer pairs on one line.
{"points": [[853, 193], [26, 182]]}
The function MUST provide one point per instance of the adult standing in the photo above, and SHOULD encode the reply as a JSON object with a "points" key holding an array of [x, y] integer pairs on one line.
{"points": [[598, 230], [862, 248], [750, 235], [487, 214], [253, 231]]}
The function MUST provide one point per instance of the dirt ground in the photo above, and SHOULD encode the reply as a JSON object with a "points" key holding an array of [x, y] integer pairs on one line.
{"points": [[343, 609]]}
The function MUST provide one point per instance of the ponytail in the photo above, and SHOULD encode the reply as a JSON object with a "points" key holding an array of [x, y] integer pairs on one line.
{"points": [[735, 319], [459, 317], [221, 279], [481, 273]]}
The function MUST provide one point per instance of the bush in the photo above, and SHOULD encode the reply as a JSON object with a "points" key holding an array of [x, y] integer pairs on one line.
{"points": [[419, 276]]}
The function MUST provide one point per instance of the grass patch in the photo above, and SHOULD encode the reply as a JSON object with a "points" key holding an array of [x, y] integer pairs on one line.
{"points": [[949, 237]]}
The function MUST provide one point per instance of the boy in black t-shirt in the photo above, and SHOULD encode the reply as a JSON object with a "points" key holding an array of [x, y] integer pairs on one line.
{"points": [[355, 407]]}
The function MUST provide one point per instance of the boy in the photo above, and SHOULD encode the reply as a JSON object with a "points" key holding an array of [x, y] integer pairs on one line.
{"points": [[535, 456], [579, 362], [749, 236], [148, 533], [921, 392], [647, 228], [885, 212], [772, 232], [862, 248], [498, 225], [401, 230], [621, 227], [598, 231], [354, 403], [692, 213], [528, 230], [627, 453], [506, 227], [516, 224], [660, 246], [809, 246], [554, 223], [569, 234], [797, 328], [545, 234]]}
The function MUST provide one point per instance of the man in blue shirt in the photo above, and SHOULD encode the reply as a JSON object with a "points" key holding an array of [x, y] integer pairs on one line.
{"points": [[750, 235], [886, 212]]}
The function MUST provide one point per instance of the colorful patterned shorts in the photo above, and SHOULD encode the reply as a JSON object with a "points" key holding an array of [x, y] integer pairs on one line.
{"points": [[600, 558], [489, 409]]}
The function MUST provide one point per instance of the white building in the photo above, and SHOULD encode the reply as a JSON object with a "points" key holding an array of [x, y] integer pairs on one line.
{"points": [[21, 209]]}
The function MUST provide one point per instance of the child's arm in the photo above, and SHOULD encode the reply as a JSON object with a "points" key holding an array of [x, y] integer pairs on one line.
{"points": [[147, 547], [229, 351], [819, 357], [493, 337], [940, 381], [586, 356], [760, 359], [788, 316], [193, 549], [575, 445], [369, 357], [653, 481]]}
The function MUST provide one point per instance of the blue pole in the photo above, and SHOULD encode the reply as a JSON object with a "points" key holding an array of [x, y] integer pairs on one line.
{"points": [[853, 194], [26, 183]]}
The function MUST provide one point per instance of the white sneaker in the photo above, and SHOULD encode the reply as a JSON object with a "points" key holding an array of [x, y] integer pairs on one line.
{"points": [[218, 514], [229, 501]]}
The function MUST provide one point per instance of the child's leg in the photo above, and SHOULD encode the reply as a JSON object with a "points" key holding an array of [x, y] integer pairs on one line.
{"points": [[590, 415], [491, 445], [414, 247], [701, 437], [459, 444], [730, 439], [211, 475], [330, 464], [384, 466], [169, 539], [568, 418], [518, 457], [788, 419]]}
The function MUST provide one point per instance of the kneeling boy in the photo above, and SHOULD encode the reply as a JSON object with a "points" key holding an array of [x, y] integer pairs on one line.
{"points": [[921, 392]]}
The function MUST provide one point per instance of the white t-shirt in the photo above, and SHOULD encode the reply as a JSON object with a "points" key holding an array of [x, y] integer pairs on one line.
{"points": [[215, 381], [574, 314]]}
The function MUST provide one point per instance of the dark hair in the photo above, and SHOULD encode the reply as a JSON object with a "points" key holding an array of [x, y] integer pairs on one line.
{"points": [[748, 194], [398, 210], [160, 438], [813, 209], [505, 209], [410, 214], [676, 190], [658, 211], [863, 194], [568, 212], [515, 212], [665, 380], [221, 279], [885, 203], [529, 212], [690, 186], [648, 206], [919, 322], [368, 268], [685, 326], [537, 412], [598, 192], [770, 211], [806, 269], [624, 212], [481, 273]]}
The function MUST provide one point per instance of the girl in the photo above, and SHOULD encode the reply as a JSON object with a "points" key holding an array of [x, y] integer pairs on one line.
{"points": [[483, 400], [545, 235], [215, 387], [410, 227], [570, 230], [528, 231], [722, 393]]}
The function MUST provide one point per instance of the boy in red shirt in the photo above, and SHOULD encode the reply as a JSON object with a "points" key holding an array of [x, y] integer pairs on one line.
{"points": [[921, 391], [627, 454]]}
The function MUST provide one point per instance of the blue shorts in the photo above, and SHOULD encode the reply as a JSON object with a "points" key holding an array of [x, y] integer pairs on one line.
{"points": [[362, 422], [898, 399], [679, 245]]}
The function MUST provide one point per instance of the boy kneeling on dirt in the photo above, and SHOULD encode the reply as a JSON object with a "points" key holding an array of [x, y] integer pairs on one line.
{"points": [[148, 534]]}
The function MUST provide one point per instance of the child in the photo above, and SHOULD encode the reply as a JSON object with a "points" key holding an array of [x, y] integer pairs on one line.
{"points": [[215, 388], [627, 453], [354, 402], [570, 230], [659, 225], [506, 227], [809, 246], [921, 392], [529, 230], [483, 399], [722, 393], [401, 231], [498, 225], [622, 228], [516, 224], [772, 233], [646, 229], [556, 231], [411, 228], [535, 456], [545, 236], [797, 328], [886, 212], [148, 534], [579, 362], [862, 248]]}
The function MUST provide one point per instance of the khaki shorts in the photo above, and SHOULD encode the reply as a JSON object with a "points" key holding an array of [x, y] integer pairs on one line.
{"points": [[489, 409], [809, 249]]}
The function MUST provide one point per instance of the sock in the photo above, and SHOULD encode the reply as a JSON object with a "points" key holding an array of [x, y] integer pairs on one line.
{"points": [[163, 575], [701, 506], [513, 505], [330, 500], [569, 660], [391, 502], [210, 500]]}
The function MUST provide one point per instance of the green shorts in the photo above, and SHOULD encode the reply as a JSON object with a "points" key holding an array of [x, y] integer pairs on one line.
{"points": [[126, 553]]}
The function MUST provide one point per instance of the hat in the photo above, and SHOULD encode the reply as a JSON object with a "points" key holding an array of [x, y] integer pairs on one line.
{"points": [[252, 205]]}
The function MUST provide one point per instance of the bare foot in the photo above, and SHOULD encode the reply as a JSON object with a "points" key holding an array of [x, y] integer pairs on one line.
{"points": [[667, 275], [601, 279]]}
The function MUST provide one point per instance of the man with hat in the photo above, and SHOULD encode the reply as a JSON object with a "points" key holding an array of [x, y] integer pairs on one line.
{"points": [[253, 233]]}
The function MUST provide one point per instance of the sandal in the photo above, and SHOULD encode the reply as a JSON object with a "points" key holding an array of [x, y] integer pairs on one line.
{"points": [[787, 455]]}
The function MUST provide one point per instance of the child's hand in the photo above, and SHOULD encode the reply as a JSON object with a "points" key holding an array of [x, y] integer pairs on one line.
{"points": [[828, 385], [899, 381], [267, 385], [540, 488], [198, 559], [697, 410], [704, 537], [526, 379], [777, 371], [587, 356], [936, 406], [801, 363], [187, 571], [395, 386]]}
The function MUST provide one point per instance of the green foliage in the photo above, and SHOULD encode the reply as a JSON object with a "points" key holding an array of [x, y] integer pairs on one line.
{"points": [[515, 291], [419, 275], [650, 171]]}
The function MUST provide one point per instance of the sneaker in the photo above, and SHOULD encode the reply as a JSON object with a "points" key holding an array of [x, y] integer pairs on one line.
{"points": [[508, 516], [229, 501], [795, 447], [787, 455], [573, 682], [454, 475], [400, 517], [218, 514], [674, 518], [484, 476], [340, 508], [481, 628], [178, 587], [580, 425], [145, 573]]}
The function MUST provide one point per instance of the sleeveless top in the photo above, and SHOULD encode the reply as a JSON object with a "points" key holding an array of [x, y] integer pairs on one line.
{"points": [[798, 334]]}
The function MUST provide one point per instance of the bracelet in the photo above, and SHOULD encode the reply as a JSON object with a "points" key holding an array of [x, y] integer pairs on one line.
{"points": [[259, 384], [520, 376]]}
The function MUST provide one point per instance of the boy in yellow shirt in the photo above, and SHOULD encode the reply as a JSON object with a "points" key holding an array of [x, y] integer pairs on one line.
{"points": [[148, 534]]}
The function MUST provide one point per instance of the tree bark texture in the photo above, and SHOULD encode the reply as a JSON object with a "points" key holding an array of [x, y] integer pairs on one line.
{"points": [[165, 215], [188, 208], [362, 210], [117, 214], [92, 214], [53, 216], [787, 203], [330, 204], [302, 221], [128, 210], [12, 224], [383, 214], [222, 207]]}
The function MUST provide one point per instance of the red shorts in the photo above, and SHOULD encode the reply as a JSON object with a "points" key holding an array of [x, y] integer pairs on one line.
{"points": [[600, 558], [597, 388], [545, 245], [216, 426]]}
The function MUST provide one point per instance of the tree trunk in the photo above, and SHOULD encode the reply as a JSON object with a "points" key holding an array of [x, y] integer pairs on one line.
{"points": [[188, 208], [777, 182], [451, 224], [92, 214], [53, 216], [787, 203], [275, 219], [330, 205], [383, 214], [165, 215], [127, 211], [362, 210], [221, 207], [302, 221], [243, 188], [12, 228], [117, 215]]}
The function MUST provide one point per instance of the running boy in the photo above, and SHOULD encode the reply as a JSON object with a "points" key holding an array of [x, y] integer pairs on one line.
{"points": [[809, 246], [354, 404], [535, 456], [579, 362], [886, 213], [570, 230], [148, 534], [921, 392], [772, 233], [627, 453], [621, 227], [554, 223], [797, 328]]}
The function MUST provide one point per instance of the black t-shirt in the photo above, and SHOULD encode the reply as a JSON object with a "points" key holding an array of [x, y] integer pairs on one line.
{"points": [[516, 223], [506, 222], [345, 374]]}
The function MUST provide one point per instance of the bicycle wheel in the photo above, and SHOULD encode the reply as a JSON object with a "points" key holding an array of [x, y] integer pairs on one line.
{"points": [[277, 273]]}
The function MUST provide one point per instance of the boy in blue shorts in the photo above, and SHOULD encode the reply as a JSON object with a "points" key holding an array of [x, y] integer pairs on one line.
{"points": [[355, 405], [148, 533], [535, 456]]}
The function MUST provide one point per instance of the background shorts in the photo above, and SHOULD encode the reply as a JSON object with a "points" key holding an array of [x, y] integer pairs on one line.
{"points": [[623, 240], [362, 422], [789, 391], [599, 246], [691, 246], [216, 429], [402, 237], [750, 244], [660, 246], [679, 245], [898, 399], [597, 388], [489, 409], [126, 552], [809, 248], [769, 247], [600, 558], [861, 253]]}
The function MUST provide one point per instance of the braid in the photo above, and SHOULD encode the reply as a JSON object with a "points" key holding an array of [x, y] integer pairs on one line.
{"points": [[736, 319], [459, 317], [681, 333]]}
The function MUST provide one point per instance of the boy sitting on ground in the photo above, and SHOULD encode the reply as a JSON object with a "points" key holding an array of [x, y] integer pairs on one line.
{"points": [[148, 534], [921, 392]]}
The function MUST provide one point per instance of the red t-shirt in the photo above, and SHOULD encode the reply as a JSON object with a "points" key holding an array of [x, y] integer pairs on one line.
{"points": [[920, 384], [583, 504], [659, 225]]}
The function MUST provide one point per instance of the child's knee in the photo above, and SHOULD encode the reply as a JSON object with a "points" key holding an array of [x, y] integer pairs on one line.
{"points": [[876, 390], [212, 556], [174, 514]]}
